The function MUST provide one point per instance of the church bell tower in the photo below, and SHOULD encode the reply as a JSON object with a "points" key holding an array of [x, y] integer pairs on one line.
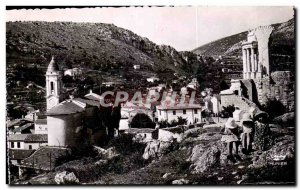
{"points": [[53, 84]]}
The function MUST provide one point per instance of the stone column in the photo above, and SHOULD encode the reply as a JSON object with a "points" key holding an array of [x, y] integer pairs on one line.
{"points": [[249, 64], [252, 63], [244, 64]]}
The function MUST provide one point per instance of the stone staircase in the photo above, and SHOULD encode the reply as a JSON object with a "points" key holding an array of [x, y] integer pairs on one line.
{"points": [[242, 103]]}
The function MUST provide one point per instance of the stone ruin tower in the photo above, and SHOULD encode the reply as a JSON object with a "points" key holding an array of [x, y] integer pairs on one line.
{"points": [[256, 57], [256, 68], [256, 53]]}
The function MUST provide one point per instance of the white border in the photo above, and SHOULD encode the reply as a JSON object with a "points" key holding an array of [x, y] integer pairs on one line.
{"points": [[118, 2]]}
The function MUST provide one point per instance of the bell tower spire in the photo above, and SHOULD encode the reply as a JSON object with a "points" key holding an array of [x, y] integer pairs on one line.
{"points": [[53, 84]]}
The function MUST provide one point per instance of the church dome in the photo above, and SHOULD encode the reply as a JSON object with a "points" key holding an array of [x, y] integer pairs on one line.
{"points": [[52, 67]]}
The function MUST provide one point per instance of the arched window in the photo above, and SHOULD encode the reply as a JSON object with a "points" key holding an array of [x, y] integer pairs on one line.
{"points": [[52, 87]]}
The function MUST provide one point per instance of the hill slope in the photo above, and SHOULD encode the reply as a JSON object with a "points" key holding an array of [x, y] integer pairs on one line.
{"points": [[282, 37], [95, 45]]}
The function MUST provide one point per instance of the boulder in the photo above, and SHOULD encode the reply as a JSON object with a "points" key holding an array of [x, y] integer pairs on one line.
{"points": [[71, 179], [204, 157], [282, 152], [180, 181], [209, 152], [59, 178], [156, 148], [64, 178], [108, 154], [166, 175]]}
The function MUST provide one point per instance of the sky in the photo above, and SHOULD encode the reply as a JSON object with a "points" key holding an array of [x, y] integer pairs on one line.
{"points": [[183, 28]]}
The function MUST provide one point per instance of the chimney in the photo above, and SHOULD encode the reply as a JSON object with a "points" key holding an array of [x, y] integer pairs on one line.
{"points": [[71, 97], [91, 91]]}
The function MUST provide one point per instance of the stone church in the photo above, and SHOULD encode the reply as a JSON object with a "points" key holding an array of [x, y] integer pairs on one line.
{"points": [[72, 122]]}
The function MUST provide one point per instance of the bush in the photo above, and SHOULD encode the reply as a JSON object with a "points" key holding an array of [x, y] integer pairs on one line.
{"points": [[274, 108], [125, 145]]}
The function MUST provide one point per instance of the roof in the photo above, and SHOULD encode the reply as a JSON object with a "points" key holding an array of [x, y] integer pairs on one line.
{"points": [[67, 107], [52, 66], [17, 154], [88, 101], [28, 137], [17, 122], [41, 121], [140, 130], [24, 127], [178, 107], [45, 158], [93, 96]]}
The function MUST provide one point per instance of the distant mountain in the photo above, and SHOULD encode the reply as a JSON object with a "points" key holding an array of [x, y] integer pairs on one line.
{"points": [[283, 42], [94, 45]]}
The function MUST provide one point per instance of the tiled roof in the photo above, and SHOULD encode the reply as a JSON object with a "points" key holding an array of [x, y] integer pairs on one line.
{"points": [[28, 137], [41, 121], [93, 96], [89, 101], [17, 154], [17, 122], [67, 107], [45, 158], [24, 127], [17, 137]]}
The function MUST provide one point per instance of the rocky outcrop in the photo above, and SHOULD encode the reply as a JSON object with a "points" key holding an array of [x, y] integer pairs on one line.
{"points": [[66, 178], [209, 151], [156, 149], [282, 153], [108, 154], [180, 182], [286, 119]]}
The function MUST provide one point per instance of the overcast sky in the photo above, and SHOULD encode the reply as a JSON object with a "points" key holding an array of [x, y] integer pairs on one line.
{"points": [[184, 28]]}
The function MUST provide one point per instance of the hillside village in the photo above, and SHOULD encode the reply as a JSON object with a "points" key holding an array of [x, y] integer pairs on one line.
{"points": [[69, 137]]}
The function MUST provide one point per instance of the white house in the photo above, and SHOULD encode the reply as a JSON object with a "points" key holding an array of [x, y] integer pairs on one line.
{"points": [[22, 146], [27, 141], [40, 126], [136, 67], [75, 72], [169, 113], [152, 79], [212, 103]]}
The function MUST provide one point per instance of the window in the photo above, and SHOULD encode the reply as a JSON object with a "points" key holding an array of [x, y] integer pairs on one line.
{"points": [[18, 144], [196, 111], [30, 147], [174, 112], [159, 112], [184, 111], [52, 87], [12, 145]]}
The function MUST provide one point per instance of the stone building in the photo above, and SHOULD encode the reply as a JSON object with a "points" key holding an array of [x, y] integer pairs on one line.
{"points": [[261, 82], [192, 113]]}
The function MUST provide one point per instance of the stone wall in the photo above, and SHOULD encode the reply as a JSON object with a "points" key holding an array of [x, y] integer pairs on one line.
{"points": [[280, 86]]}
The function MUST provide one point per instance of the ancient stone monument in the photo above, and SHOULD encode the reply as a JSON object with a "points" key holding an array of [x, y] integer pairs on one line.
{"points": [[260, 83], [256, 53]]}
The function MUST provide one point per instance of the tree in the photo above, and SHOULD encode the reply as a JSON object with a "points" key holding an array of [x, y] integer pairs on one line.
{"points": [[141, 120], [227, 111], [274, 108]]}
